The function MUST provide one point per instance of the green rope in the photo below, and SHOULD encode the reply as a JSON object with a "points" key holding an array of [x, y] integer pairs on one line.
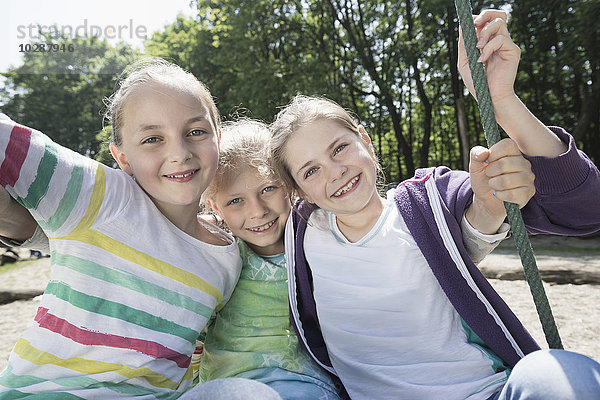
{"points": [[488, 119]]}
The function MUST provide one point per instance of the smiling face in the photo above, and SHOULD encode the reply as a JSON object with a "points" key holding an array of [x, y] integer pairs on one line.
{"points": [[255, 209], [332, 167], [169, 144]]}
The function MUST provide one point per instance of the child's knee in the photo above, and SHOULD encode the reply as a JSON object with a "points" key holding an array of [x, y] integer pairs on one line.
{"points": [[231, 389], [555, 374]]}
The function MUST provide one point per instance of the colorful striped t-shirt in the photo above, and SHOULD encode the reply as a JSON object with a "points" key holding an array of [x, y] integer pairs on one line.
{"points": [[128, 291]]}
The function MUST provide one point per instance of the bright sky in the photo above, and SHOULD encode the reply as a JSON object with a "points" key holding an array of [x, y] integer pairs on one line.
{"points": [[19, 20]]}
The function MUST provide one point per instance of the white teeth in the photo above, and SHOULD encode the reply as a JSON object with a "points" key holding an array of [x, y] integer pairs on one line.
{"points": [[346, 188], [181, 175], [262, 227]]}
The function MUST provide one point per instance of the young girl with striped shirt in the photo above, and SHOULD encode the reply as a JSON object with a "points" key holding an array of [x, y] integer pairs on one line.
{"points": [[135, 274]]}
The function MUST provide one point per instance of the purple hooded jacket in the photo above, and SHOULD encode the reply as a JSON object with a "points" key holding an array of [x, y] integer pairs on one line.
{"points": [[432, 204]]}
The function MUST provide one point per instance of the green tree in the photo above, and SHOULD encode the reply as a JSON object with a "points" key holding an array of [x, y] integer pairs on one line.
{"points": [[393, 63], [104, 137], [559, 75], [253, 55], [61, 93]]}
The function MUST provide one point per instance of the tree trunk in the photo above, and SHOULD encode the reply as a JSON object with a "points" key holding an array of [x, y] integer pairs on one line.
{"points": [[356, 35], [459, 102], [427, 108]]}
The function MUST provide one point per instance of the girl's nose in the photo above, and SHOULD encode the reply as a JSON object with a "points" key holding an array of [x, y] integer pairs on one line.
{"points": [[258, 209], [179, 151], [336, 171]]}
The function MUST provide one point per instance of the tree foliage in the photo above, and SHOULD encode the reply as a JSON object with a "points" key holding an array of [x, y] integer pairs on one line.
{"points": [[392, 63], [384, 60], [560, 69], [62, 93]]}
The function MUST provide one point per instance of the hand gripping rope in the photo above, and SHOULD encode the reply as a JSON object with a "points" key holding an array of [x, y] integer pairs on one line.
{"points": [[490, 127]]}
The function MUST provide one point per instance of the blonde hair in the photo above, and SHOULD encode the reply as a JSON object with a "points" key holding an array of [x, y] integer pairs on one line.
{"points": [[302, 111], [154, 70], [244, 143]]}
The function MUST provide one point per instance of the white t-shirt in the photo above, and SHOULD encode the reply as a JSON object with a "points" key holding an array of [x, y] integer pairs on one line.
{"points": [[390, 330]]}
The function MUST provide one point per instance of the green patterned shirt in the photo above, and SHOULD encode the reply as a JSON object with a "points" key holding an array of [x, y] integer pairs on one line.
{"points": [[252, 337]]}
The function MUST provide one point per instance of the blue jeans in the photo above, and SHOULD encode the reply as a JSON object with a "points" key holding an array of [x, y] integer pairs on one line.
{"points": [[552, 374], [231, 389]]}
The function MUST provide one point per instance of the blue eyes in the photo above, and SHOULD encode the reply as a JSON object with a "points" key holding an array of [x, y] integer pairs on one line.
{"points": [[336, 151], [238, 200], [150, 140], [310, 172], [197, 132], [192, 133], [339, 148]]}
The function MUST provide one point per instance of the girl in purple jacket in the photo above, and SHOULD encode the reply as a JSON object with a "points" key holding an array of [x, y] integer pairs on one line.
{"points": [[382, 291]]}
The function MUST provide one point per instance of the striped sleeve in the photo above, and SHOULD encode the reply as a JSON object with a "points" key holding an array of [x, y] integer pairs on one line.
{"points": [[62, 189]]}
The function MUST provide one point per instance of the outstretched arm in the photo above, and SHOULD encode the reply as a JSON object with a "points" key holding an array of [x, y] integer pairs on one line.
{"points": [[500, 56], [501, 173], [15, 221]]}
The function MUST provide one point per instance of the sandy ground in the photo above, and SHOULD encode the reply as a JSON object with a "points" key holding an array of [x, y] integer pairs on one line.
{"points": [[576, 307]]}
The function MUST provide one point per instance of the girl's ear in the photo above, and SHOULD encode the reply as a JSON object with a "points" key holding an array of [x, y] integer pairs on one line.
{"points": [[214, 207], [218, 140], [364, 135], [121, 159]]}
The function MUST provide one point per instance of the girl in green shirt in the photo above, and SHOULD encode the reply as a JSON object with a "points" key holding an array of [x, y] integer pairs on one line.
{"points": [[252, 337]]}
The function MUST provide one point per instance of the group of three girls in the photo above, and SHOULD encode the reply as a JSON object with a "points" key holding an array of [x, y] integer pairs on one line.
{"points": [[383, 294]]}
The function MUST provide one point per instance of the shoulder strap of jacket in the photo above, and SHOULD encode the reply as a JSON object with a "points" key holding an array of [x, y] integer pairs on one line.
{"points": [[307, 308]]}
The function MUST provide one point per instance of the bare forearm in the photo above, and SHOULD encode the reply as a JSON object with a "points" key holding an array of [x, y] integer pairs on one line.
{"points": [[530, 134], [15, 221]]}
